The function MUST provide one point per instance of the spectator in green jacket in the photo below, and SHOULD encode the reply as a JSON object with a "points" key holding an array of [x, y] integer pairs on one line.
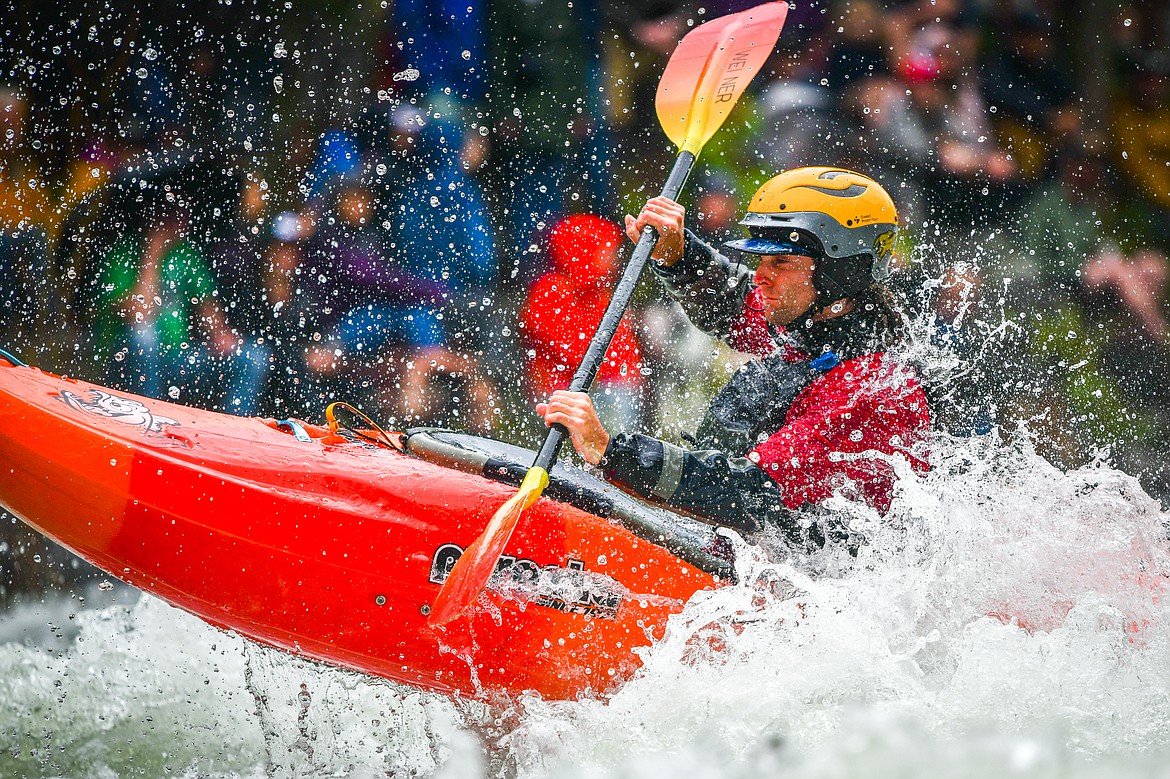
{"points": [[158, 326]]}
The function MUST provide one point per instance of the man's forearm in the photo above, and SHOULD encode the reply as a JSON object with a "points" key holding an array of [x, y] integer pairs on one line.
{"points": [[731, 492]]}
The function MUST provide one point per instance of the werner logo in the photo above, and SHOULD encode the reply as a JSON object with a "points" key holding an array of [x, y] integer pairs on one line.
{"points": [[725, 92], [567, 588]]}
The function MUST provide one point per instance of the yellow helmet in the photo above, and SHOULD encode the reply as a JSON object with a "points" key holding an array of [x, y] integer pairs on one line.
{"points": [[844, 219]]}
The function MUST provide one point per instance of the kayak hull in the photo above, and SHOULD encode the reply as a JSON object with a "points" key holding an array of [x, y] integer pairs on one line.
{"points": [[329, 548]]}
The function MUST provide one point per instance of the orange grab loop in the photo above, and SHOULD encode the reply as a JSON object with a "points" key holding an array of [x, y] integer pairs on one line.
{"points": [[334, 425]]}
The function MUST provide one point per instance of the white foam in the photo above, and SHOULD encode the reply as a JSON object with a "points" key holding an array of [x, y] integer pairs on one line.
{"points": [[1005, 619], [899, 663]]}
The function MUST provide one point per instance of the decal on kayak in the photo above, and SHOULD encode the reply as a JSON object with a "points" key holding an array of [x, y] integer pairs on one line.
{"points": [[125, 410], [569, 588]]}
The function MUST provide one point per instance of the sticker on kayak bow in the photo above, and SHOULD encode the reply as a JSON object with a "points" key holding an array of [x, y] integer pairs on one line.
{"points": [[125, 410], [569, 588]]}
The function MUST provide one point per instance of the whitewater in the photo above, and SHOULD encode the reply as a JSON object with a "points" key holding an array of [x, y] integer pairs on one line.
{"points": [[1006, 618]]}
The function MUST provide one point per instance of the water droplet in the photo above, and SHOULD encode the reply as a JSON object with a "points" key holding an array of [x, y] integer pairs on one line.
{"points": [[410, 74], [150, 53], [173, 392], [105, 586], [141, 73], [1128, 22]]}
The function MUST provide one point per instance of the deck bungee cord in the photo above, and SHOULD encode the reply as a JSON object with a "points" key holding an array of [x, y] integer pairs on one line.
{"points": [[7, 355]]}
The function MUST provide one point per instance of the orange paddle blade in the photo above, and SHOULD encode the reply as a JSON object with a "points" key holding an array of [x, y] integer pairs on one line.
{"points": [[710, 69], [475, 566]]}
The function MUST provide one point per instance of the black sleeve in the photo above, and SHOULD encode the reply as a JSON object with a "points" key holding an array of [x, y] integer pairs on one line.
{"points": [[731, 492], [709, 287]]}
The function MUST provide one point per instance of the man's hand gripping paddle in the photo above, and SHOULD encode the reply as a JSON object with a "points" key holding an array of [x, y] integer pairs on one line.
{"points": [[703, 79]]}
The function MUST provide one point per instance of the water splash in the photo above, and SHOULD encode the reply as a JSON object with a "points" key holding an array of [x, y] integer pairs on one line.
{"points": [[142, 690], [320, 721], [1006, 618]]}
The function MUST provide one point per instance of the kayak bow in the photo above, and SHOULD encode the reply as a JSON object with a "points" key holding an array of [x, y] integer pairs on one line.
{"points": [[334, 549]]}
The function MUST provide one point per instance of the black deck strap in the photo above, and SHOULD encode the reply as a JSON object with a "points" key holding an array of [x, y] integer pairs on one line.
{"points": [[444, 447], [559, 488]]}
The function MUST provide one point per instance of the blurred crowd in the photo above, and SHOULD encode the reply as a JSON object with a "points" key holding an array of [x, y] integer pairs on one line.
{"points": [[437, 245]]}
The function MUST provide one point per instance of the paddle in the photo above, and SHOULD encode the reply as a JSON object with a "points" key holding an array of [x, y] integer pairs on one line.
{"points": [[703, 79]]}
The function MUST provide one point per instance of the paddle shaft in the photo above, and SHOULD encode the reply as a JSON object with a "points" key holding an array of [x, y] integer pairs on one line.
{"points": [[591, 362]]}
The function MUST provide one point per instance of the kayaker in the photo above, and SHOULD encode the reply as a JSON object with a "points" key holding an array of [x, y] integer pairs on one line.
{"points": [[822, 409]]}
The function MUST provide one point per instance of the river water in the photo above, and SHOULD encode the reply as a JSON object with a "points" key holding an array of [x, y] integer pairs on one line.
{"points": [[1007, 620]]}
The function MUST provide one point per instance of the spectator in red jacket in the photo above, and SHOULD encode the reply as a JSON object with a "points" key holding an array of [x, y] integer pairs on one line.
{"points": [[823, 408], [563, 309]]}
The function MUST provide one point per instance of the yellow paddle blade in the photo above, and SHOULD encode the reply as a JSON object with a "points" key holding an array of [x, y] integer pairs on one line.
{"points": [[710, 69], [475, 566]]}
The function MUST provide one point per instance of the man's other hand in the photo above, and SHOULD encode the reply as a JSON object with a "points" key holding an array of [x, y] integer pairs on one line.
{"points": [[575, 411]]}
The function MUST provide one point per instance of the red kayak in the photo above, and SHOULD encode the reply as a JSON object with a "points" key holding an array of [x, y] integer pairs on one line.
{"points": [[327, 546]]}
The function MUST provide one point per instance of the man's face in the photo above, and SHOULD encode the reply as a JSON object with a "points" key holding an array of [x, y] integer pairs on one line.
{"points": [[786, 283]]}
